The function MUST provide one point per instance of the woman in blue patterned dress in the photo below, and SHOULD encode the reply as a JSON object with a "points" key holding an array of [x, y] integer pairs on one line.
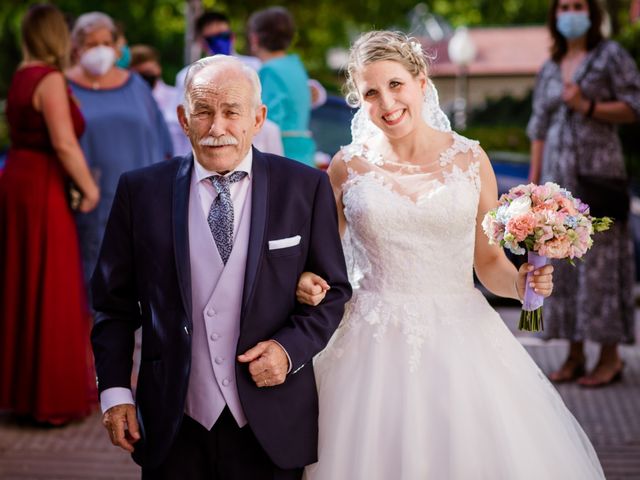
{"points": [[587, 87]]}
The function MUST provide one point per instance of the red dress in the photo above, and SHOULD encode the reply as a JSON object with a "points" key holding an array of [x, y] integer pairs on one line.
{"points": [[46, 367]]}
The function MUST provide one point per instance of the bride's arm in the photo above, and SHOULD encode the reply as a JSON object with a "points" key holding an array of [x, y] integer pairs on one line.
{"points": [[311, 287], [338, 176], [492, 266]]}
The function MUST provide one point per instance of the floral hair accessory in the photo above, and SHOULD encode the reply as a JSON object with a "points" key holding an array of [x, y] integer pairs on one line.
{"points": [[416, 47]]}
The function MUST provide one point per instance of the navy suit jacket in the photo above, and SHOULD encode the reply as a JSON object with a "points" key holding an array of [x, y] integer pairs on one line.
{"points": [[143, 279]]}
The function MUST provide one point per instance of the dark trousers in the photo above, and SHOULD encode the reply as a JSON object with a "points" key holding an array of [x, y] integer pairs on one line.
{"points": [[226, 452]]}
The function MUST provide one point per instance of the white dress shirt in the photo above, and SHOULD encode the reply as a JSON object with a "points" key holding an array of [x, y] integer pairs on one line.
{"points": [[238, 190]]}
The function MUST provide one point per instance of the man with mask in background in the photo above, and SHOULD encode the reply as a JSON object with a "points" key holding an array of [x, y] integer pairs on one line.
{"points": [[214, 35]]}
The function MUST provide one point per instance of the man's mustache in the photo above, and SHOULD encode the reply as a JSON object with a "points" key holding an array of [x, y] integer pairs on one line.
{"points": [[218, 141]]}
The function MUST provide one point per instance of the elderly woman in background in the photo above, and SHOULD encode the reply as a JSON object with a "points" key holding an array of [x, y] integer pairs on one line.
{"points": [[45, 361], [587, 87], [285, 88], [125, 128]]}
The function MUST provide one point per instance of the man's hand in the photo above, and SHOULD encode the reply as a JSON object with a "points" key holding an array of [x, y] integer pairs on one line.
{"points": [[268, 363], [122, 425]]}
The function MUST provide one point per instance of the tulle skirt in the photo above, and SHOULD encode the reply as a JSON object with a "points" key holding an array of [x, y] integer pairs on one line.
{"points": [[439, 389]]}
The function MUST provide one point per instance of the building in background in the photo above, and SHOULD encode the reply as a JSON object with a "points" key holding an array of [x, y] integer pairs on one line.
{"points": [[506, 62]]}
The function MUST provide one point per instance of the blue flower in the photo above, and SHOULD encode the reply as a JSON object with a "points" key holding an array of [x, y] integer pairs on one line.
{"points": [[571, 221]]}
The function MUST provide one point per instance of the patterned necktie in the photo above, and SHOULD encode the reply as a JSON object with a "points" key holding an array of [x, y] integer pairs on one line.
{"points": [[220, 217]]}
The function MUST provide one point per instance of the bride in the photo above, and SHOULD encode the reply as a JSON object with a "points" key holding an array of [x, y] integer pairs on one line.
{"points": [[422, 380]]}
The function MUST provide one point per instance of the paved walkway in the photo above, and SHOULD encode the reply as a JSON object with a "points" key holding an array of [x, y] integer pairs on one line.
{"points": [[610, 416]]}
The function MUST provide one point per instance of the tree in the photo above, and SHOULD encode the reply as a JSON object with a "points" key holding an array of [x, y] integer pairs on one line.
{"points": [[323, 24]]}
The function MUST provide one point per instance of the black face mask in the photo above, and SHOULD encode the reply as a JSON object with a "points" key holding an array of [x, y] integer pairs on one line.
{"points": [[150, 78]]}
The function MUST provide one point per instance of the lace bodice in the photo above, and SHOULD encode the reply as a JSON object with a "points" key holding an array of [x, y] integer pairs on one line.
{"points": [[410, 242], [412, 228]]}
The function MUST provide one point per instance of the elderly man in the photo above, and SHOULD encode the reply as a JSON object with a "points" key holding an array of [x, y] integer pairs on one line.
{"points": [[204, 252]]}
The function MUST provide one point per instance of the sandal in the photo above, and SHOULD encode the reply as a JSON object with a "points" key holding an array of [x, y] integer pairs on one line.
{"points": [[571, 370], [594, 380]]}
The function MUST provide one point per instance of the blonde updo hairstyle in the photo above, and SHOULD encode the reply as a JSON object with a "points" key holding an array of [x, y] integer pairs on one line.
{"points": [[45, 35], [380, 45]]}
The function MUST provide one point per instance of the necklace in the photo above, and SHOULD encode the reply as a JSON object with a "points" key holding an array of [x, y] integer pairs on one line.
{"points": [[94, 82]]}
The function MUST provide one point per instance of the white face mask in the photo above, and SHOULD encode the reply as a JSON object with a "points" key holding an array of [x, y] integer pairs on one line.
{"points": [[98, 60]]}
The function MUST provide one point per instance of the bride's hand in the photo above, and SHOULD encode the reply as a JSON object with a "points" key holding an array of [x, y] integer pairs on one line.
{"points": [[311, 289], [542, 280]]}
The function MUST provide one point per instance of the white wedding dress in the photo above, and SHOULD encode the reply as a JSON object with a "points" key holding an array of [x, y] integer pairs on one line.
{"points": [[422, 380]]}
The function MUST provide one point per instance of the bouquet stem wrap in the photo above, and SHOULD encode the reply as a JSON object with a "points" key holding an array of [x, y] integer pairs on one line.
{"points": [[531, 316]]}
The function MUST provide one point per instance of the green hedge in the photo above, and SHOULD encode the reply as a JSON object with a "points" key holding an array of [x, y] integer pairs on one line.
{"points": [[499, 137]]}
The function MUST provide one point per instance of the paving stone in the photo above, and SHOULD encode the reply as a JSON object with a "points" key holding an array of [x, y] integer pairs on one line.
{"points": [[609, 416]]}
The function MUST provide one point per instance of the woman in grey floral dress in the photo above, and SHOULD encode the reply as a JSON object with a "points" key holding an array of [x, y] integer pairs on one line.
{"points": [[587, 87]]}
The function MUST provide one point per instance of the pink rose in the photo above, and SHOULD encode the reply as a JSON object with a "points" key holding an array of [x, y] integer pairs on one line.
{"points": [[543, 207], [556, 248], [521, 226], [543, 233], [540, 194], [493, 229], [520, 191], [566, 205]]}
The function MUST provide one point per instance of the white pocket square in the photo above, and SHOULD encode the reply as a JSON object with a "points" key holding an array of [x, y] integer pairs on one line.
{"points": [[284, 242]]}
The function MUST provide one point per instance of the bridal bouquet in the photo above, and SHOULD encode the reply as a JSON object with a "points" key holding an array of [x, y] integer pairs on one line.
{"points": [[545, 221]]}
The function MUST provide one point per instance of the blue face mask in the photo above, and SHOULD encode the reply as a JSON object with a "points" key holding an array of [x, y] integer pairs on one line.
{"points": [[572, 25], [220, 43], [125, 57]]}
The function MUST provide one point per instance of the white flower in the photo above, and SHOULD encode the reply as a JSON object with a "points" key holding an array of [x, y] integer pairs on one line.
{"points": [[487, 221], [501, 214], [553, 188], [515, 248], [519, 206], [416, 47]]}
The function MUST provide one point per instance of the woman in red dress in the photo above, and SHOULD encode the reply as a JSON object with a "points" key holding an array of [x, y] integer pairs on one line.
{"points": [[45, 361]]}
